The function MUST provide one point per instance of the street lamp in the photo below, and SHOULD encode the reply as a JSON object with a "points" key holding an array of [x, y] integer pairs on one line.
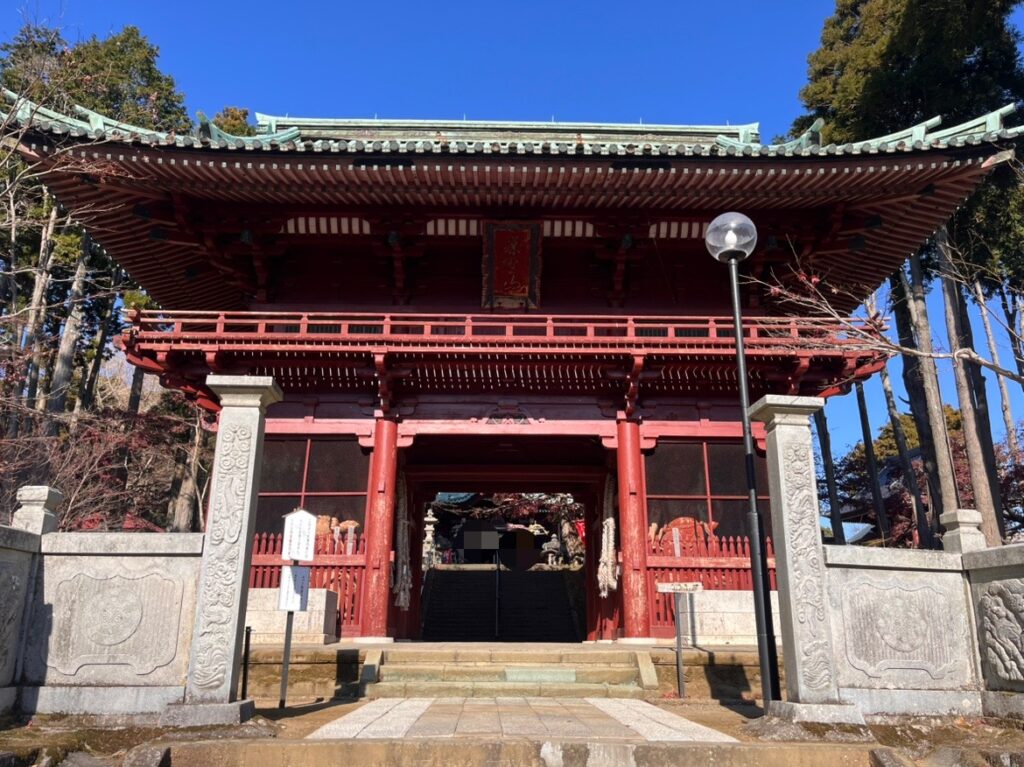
{"points": [[731, 238]]}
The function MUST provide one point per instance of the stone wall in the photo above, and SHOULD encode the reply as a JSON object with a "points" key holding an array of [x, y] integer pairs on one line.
{"points": [[902, 631], [997, 594], [722, 618], [317, 625], [110, 622], [17, 550]]}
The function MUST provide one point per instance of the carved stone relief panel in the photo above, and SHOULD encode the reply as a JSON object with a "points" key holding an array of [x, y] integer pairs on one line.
{"points": [[907, 630], [1001, 629], [115, 620], [106, 620]]}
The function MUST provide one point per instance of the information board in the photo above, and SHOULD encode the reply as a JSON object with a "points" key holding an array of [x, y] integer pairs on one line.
{"points": [[293, 594], [299, 536], [685, 587]]}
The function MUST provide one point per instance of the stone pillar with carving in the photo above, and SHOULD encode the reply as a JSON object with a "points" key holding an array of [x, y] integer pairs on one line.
{"points": [[812, 691], [227, 551]]}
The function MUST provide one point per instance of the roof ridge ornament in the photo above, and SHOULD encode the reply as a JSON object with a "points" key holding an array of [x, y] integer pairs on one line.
{"points": [[979, 126], [207, 129], [809, 138], [910, 135]]}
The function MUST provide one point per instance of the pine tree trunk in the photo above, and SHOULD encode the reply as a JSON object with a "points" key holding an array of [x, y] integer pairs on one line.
{"points": [[834, 506], [869, 454], [982, 413], [1004, 393], [8, 288], [91, 377], [983, 500], [135, 396], [932, 392], [26, 392], [60, 381], [924, 529], [186, 496], [1012, 314], [913, 381], [44, 373], [179, 511]]}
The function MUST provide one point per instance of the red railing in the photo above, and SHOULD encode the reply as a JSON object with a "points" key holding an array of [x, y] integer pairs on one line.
{"points": [[323, 331], [339, 566], [340, 563], [719, 563]]}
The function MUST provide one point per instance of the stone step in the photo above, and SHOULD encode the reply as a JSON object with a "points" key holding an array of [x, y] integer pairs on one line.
{"points": [[493, 672], [523, 752], [532, 657], [498, 689]]}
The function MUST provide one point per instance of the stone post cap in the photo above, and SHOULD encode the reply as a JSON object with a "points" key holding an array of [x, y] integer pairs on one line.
{"points": [[40, 495], [36, 512], [771, 406], [957, 518], [245, 391], [963, 531]]}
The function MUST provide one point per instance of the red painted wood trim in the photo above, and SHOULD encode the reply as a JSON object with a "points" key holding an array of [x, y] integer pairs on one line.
{"points": [[380, 521], [632, 531]]}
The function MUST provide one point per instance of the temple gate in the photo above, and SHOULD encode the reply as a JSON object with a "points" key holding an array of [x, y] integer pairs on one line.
{"points": [[405, 287]]}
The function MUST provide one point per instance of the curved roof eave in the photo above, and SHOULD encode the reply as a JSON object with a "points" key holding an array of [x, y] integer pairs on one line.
{"points": [[530, 138]]}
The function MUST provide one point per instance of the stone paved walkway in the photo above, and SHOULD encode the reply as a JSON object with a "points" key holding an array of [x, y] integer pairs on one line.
{"points": [[591, 719]]}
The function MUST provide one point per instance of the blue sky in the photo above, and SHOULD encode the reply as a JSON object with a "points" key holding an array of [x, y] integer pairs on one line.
{"points": [[670, 62]]}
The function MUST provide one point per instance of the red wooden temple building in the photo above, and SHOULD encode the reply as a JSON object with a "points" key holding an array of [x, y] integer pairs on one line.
{"points": [[455, 307]]}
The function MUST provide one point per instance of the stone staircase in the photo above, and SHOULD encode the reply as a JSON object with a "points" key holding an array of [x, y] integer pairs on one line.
{"points": [[488, 673]]}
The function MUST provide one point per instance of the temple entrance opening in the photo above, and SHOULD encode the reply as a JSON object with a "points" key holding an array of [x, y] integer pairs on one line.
{"points": [[504, 567], [505, 527]]}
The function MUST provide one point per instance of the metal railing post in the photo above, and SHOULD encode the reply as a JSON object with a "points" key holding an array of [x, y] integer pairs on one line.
{"points": [[245, 662]]}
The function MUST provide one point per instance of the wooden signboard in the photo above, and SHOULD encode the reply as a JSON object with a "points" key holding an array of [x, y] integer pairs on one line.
{"points": [[299, 543], [677, 590], [685, 587], [293, 593], [511, 267]]}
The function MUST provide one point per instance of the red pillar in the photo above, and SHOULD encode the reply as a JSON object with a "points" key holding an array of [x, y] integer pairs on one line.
{"points": [[380, 525], [632, 531]]}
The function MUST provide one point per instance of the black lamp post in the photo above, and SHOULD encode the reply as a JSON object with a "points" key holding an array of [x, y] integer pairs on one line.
{"points": [[730, 239]]}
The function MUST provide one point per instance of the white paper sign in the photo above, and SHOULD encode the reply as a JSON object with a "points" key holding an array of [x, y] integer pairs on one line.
{"points": [[293, 594], [299, 536], [686, 587]]}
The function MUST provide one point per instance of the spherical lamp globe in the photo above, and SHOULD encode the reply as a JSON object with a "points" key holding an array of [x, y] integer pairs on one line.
{"points": [[731, 236]]}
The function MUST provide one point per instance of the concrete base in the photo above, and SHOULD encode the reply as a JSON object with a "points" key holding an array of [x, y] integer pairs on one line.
{"points": [[820, 713], [1004, 705], [373, 640], [278, 639], [8, 695], [207, 714], [637, 640], [99, 701], [914, 702]]}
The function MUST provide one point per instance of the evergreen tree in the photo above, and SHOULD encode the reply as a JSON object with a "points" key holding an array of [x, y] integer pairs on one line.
{"points": [[234, 120], [60, 296], [883, 66]]}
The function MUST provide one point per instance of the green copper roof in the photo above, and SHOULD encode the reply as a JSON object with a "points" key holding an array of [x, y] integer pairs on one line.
{"points": [[482, 130], [385, 137]]}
